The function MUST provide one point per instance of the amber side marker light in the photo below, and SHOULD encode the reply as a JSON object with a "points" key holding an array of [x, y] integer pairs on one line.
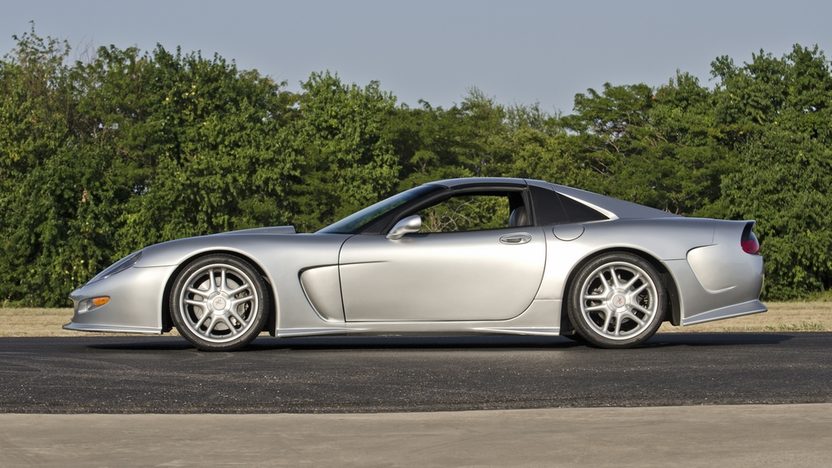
{"points": [[100, 301], [92, 303]]}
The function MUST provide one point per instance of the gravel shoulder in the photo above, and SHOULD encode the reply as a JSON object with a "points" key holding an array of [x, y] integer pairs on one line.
{"points": [[736, 436]]}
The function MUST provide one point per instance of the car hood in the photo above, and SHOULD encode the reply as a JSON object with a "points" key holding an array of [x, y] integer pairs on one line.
{"points": [[260, 230], [174, 251]]}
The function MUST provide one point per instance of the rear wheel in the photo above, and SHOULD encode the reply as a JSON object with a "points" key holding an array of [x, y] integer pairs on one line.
{"points": [[218, 303], [617, 300]]}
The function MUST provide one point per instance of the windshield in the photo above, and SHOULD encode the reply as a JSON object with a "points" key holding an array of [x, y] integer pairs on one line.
{"points": [[355, 222]]}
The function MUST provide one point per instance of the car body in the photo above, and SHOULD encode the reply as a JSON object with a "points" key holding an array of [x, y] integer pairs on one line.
{"points": [[375, 273]]}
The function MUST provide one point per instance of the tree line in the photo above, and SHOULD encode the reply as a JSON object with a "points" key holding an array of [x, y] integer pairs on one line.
{"points": [[99, 157]]}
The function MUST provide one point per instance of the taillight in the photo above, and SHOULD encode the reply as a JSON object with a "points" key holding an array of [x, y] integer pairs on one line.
{"points": [[749, 242]]}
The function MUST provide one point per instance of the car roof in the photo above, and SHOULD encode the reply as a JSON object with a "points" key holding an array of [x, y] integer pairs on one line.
{"points": [[611, 207], [470, 181]]}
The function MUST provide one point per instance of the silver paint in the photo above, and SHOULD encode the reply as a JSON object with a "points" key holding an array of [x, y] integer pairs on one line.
{"points": [[441, 276], [568, 232], [322, 286], [500, 281], [408, 225]]}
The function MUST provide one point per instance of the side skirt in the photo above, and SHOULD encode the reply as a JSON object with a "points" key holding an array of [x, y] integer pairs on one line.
{"points": [[111, 329], [541, 318], [736, 310]]}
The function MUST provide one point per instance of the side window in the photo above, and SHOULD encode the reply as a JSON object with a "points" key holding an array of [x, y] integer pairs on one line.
{"points": [[470, 212]]}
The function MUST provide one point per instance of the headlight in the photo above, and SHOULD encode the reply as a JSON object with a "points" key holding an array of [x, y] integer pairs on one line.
{"points": [[117, 267]]}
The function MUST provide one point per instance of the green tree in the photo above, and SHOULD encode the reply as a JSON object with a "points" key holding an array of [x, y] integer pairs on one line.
{"points": [[209, 135], [36, 196], [101, 157], [784, 171], [786, 188], [342, 159]]}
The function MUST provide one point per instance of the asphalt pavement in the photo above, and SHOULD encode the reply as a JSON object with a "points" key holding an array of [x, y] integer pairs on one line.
{"points": [[93, 374]]}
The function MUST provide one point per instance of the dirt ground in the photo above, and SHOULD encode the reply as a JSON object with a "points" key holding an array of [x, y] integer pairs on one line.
{"points": [[782, 316]]}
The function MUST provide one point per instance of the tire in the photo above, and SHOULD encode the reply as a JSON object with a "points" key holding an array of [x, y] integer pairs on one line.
{"points": [[225, 317], [617, 300]]}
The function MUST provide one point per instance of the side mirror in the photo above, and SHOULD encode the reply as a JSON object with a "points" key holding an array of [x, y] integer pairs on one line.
{"points": [[405, 226]]}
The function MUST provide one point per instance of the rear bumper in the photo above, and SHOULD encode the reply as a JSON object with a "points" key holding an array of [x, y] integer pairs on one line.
{"points": [[717, 284]]}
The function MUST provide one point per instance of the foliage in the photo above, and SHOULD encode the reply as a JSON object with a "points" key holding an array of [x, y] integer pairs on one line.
{"points": [[341, 159], [466, 213], [101, 157]]}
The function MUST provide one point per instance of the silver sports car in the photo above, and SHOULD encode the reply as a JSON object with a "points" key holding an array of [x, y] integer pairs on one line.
{"points": [[475, 255]]}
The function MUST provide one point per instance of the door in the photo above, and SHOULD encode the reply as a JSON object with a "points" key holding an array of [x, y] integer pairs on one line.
{"points": [[474, 260]]}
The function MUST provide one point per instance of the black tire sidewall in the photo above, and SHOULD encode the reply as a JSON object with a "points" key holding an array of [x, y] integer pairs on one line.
{"points": [[577, 319], [261, 291]]}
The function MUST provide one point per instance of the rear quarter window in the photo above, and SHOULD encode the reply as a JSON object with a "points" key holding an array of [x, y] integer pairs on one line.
{"points": [[577, 212], [550, 207]]}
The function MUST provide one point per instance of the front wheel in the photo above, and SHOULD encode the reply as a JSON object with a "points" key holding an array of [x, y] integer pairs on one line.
{"points": [[617, 300], [218, 303]]}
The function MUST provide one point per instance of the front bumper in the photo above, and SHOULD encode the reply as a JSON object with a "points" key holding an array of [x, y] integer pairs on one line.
{"points": [[136, 298]]}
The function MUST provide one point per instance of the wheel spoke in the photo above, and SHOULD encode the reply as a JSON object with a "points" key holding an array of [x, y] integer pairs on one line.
{"points": [[595, 297], [222, 279], [237, 317], [211, 325], [632, 281], [230, 325], [639, 289], [202, 320], [634, 318], [615, 280], [604, 281], [236, 291], [198, 292], [618, 325], [640, 308], [242, 300], [195, 303], [607, 318], [212, 280]]}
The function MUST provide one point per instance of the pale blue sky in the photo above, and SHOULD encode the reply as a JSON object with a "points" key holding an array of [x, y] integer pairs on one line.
{"points": [[516, 51]]}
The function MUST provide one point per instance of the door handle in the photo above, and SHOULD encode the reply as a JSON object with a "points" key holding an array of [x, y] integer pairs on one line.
{"points": [[516, 239]]}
